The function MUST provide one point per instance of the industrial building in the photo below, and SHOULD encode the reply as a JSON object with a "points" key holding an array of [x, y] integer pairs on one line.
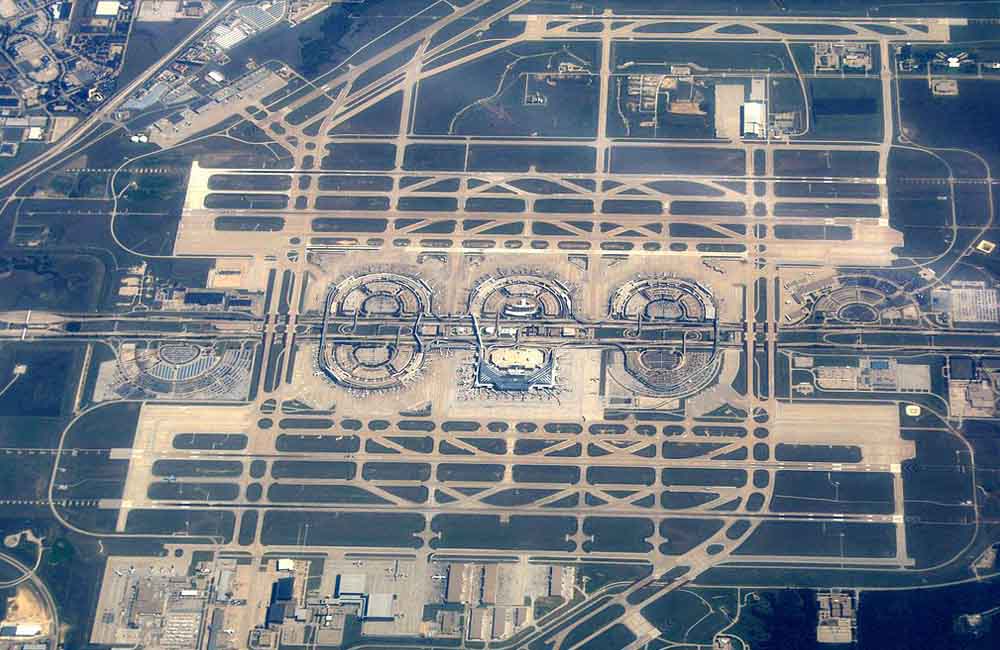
{"points": [[352, 589], [494, 612], [753, 120], [837, 617], [107, 8]]}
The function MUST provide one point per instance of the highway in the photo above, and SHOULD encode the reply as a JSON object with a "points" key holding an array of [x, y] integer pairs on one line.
{"points": [[451, 330], [87, 126]]}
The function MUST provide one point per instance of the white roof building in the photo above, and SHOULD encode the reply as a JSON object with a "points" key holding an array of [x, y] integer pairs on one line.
{"points": [[226, 37], [27, 629], [351, 583], [753, 119], [379, 606], [107, 8]]}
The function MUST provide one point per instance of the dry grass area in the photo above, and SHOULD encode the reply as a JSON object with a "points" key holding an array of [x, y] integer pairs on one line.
{"points": [[25, 606]]}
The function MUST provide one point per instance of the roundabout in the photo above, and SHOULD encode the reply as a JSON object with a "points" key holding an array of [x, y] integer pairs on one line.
{"points": [[371, 366], [180, 369], [686, 366], [673, 372], [520, 296], [859, 300], [662, 300], [367, 299], [379, 295]]}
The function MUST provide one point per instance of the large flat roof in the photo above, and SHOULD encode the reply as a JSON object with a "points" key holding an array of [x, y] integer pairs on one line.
{"points": [[107, 8]]}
